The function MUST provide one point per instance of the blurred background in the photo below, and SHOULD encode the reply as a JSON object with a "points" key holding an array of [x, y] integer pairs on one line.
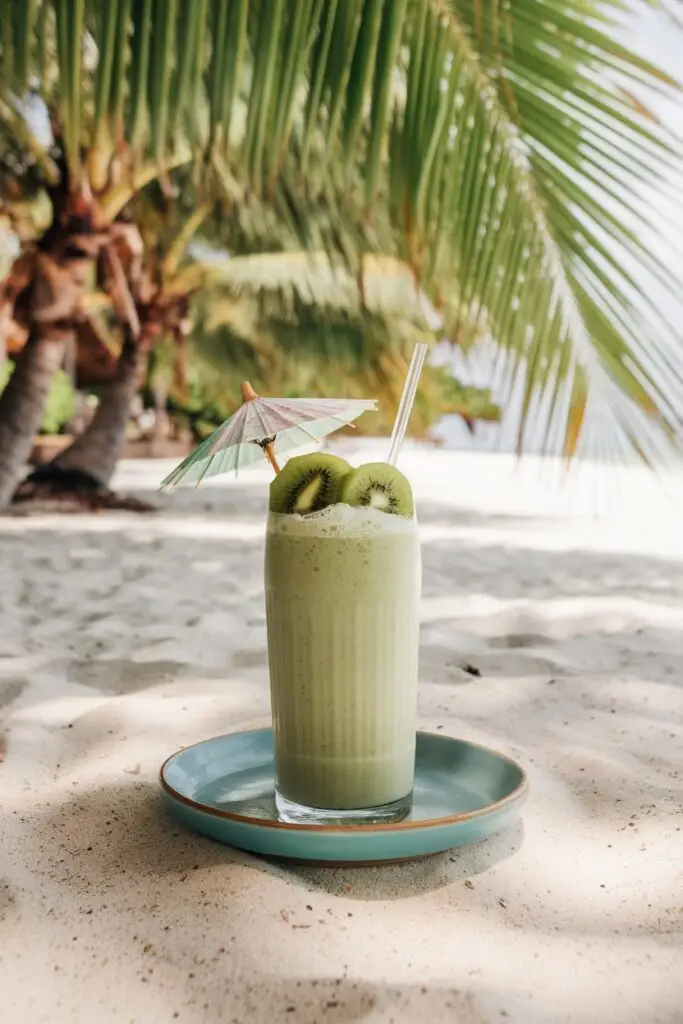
{"points": [[190, 201]]}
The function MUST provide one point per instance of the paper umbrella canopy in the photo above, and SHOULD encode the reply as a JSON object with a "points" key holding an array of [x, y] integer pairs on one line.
{"points": [[265, 427]]}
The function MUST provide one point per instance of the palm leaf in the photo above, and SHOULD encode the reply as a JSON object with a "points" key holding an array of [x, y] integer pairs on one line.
{"points": [[564, 300], [502, 148], [287, 280], [510, 147]]}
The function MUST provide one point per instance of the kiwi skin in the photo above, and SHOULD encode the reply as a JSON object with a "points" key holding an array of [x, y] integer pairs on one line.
{"points": [[308, 483], [381, 486]]}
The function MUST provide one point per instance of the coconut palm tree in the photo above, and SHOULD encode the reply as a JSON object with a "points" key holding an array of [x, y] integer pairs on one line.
{"points": [[97, 85], [148, 309], [347, 329], [503, 142]]}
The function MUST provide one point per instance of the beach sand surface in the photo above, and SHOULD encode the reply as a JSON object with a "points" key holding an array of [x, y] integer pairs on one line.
{"points": [[123, 638]]}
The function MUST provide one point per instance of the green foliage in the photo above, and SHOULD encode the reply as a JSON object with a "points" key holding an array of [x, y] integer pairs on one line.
{"points": [[349, 356], [60, 404], [499, 147]]}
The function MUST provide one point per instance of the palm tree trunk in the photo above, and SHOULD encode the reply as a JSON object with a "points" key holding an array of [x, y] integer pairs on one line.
{"points": [[97, 450], [46, 285], [22, 403]]}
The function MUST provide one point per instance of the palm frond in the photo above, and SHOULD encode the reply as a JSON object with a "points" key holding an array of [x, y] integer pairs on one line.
{"points": [[177, 249], [502, 148], [513, 179], [286, 280]]}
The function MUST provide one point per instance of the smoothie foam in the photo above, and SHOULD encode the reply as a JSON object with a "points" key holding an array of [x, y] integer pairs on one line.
{"points": [[342, 596]]}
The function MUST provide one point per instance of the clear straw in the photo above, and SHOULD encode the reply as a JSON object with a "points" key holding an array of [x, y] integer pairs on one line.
{"points": [[406, 404]]}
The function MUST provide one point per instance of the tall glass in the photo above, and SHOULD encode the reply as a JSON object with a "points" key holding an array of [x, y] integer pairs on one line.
{"points": [[342, 603]]}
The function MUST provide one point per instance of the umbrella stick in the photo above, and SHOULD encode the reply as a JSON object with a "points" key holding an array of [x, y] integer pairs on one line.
{"points": [[270, 455], [248, 394]]}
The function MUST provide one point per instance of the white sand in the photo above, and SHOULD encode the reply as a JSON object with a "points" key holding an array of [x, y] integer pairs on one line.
{"points": [[123, 638]]}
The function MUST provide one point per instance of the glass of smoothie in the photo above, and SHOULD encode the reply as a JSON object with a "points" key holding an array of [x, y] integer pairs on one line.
{"points": [[342, 580]]}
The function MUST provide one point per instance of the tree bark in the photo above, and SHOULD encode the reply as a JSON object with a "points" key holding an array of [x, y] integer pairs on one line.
{"points": [[45, 288], [97, 450], [22, 403]]}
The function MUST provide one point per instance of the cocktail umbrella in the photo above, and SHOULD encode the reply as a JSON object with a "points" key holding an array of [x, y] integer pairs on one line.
{"points": [[265, 426]]}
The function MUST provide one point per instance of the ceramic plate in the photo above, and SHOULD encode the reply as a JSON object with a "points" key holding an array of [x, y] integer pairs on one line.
{"points": [[224, 788]]}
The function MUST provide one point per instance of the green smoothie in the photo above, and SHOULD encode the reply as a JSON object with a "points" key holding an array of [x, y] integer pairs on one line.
{"points": [[342, 602]]}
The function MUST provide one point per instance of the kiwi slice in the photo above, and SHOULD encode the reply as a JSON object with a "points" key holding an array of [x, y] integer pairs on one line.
{"points": [[308, 483], [378, 485]]}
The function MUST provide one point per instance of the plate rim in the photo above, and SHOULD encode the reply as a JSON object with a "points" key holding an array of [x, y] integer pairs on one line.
{"points": [[517, 793]]}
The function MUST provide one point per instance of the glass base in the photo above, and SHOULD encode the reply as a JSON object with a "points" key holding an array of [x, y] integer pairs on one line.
{"points": [[299, 814]]}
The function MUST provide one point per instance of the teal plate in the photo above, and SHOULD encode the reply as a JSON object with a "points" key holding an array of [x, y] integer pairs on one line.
{"points": [[224, 788]]}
